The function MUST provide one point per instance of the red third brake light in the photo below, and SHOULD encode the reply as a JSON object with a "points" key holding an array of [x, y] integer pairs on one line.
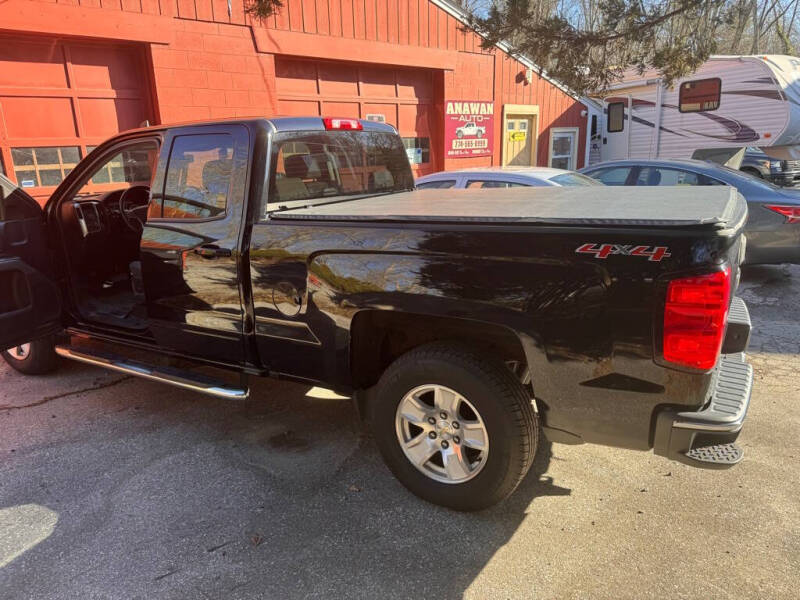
{"points": [[792, 213], [336, 123], [694, 319]]}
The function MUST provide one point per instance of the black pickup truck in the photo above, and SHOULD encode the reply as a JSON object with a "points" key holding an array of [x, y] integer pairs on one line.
{"points": [[463, 323]]}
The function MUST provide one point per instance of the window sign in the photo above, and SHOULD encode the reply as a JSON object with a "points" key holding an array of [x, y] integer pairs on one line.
{"points": [[468, 128], [414, 155], [418, 149]]}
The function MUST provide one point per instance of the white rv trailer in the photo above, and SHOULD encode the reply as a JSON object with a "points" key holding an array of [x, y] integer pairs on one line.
{"points": [[730, 102]]}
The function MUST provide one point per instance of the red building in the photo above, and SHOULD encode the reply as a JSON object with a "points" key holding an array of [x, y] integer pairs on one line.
{"points": [[73, 72]]}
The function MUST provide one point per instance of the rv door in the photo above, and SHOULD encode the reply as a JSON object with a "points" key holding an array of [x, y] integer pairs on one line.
{"points": [[617, 134]]}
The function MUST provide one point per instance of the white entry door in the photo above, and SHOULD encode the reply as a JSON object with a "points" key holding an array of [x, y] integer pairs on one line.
{"points": [[563, 148], [617, 125]]}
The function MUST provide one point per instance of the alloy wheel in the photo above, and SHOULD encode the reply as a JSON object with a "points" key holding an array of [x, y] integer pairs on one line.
{"points": [[441, 433]]}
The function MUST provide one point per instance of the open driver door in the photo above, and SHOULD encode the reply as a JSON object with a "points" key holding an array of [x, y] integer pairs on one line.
{"points": [[30, 301]]}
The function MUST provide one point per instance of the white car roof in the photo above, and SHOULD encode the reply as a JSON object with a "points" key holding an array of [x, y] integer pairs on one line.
{"points": [[538, 172]]}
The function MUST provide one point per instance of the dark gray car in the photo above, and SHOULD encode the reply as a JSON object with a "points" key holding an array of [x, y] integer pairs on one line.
{"points": [[773, 224], [779, 172]]}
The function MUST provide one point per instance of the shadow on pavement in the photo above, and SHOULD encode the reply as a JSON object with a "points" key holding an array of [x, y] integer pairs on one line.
{"points": [[164, 493]]}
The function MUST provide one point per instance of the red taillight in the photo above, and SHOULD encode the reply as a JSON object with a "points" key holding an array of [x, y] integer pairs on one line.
{"points": [[694, 319], [336, 123], [792, 213]]}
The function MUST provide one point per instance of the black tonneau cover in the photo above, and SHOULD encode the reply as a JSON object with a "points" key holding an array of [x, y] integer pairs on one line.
{"points": [[670, 206]]}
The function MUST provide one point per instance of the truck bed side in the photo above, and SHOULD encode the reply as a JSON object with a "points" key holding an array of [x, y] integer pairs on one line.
{"points": [[586, 324]]}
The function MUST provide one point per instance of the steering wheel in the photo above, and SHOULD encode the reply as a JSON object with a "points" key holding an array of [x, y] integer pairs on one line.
{"points": [[133, 204]]}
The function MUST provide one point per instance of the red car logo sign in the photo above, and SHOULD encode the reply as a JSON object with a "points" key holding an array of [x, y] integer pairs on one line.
{"points": [[603, 251]]}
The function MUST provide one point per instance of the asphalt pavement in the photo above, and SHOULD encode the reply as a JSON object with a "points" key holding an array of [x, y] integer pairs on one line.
{"points": [[114, 487]]}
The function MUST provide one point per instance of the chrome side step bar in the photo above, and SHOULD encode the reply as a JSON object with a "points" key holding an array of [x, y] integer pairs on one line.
{"points": [[175, 377]]}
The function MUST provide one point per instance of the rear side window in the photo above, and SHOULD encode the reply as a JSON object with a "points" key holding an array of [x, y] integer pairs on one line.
{"points": [[198, 178], [700, 96], [440, 184], [612, 176], [650, 176], [491, 183], [616, 117]]}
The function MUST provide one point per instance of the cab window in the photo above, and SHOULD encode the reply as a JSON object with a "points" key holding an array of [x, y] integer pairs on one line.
{"points": [[132, 165], [308, 166]]}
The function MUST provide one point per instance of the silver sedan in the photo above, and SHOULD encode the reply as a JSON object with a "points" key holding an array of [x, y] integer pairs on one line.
{"points": [[503, 177]]}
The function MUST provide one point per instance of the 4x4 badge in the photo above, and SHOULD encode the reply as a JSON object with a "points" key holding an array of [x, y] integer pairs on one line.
{"points": [[653, 253]]}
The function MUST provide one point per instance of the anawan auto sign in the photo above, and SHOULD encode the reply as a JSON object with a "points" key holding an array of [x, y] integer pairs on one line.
{"points": [[468, 128]]}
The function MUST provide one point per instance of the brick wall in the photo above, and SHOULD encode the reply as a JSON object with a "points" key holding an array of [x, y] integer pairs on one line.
{"points": [[212, 70]]}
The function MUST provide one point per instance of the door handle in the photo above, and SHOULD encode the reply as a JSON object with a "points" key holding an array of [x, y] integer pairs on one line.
{"points": [[212, 251]]}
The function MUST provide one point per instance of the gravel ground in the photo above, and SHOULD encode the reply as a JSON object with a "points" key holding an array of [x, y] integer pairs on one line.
{"points": [[113, 487]]}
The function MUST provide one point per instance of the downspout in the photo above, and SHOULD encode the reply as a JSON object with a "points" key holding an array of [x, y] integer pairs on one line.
{"points": [[630, 126], [588, 145], [657, 133]]}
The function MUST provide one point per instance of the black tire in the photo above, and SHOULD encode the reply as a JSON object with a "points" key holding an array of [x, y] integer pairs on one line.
{"points": [[41, 358], [459, 134], [499, 398]]}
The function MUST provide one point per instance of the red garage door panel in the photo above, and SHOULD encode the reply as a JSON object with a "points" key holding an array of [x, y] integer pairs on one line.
{"points": [[31, 118], [59, 98], [106, 70], [296, 76], [103, 117], [388, 111], [41, 64], [379, 83], [398, 96], [337, 79]]}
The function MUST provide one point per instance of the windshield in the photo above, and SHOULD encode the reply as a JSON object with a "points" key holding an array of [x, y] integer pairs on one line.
{"points": [[574, 179], [334, 165]]}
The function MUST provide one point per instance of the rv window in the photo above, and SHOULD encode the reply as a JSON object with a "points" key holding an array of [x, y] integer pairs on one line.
{"points": [[700, 96], [616, 117]]}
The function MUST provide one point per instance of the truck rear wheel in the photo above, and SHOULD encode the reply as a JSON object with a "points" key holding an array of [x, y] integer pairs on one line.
{"points": [[454, 426], [34, 358]]}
